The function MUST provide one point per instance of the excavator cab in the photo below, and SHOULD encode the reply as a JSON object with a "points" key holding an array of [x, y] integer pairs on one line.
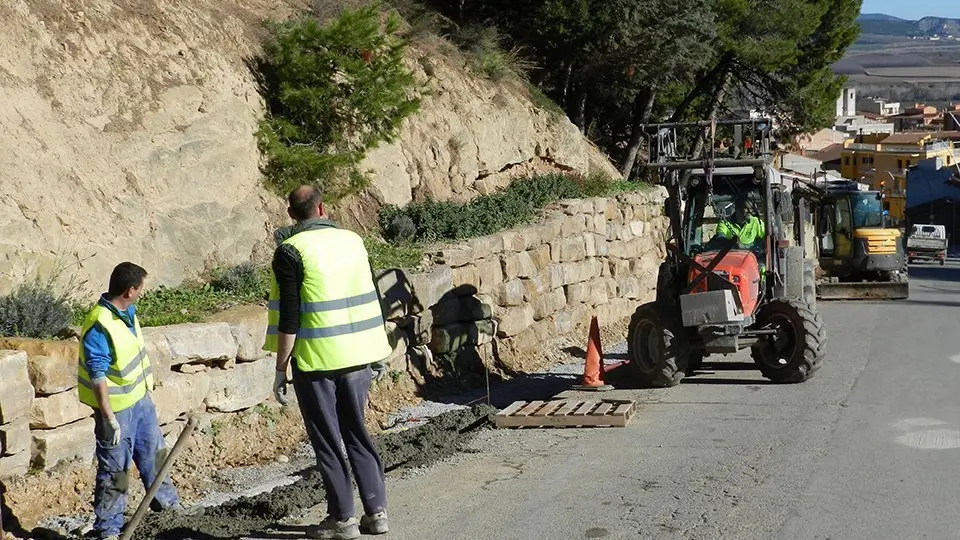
{"points": [[861, 257]]}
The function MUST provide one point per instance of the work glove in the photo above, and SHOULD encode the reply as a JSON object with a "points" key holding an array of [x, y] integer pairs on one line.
{"points": [[111, 430], [379, 370], [280, 386]]}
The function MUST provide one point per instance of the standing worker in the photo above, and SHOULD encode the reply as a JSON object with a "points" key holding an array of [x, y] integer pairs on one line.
{"points": [[115, 379], [325, 313]]}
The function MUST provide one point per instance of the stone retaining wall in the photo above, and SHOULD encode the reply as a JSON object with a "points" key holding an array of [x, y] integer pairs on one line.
{"points": [[215, 366], [506, 294], [501, 296]]}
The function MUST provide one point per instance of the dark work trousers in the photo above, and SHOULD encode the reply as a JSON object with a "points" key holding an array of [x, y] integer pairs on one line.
{"points": [[332, 404]]}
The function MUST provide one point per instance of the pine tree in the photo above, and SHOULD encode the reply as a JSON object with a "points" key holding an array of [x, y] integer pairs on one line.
{"points": [[332, 93]]}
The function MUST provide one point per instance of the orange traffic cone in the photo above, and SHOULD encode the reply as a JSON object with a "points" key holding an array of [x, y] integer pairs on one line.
{"points": [[593, 368]]}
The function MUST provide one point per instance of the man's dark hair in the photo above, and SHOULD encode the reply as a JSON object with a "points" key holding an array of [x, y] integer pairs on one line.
{"points": [[303, 201], [125, 275]]}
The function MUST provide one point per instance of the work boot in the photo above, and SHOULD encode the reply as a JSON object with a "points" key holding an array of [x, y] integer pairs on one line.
{"points": [[335, 529], [374, 523], [97, 535]]}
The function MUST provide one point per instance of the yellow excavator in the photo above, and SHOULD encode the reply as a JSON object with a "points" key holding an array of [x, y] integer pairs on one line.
{"points": [[859, 255]]}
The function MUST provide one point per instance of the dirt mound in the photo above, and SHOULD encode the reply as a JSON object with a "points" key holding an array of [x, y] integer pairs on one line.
{"points": [[439, 438]]}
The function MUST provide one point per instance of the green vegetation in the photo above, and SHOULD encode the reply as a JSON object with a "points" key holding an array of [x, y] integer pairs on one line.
{"points": [[431, 221], [333, 92], [192, 302], [244, 283], [183, 304], [489, 56], [269, 413], [245, 280], [385, 255], [42, 306], [612, 65], [36, 309], [37, 312]]}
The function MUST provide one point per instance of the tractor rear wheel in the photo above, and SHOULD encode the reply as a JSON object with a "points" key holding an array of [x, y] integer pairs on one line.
{"points": [[657, 358], [796, 351]]}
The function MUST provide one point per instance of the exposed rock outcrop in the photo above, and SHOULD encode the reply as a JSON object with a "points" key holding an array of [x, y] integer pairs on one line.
{"points": [[129, 135]]}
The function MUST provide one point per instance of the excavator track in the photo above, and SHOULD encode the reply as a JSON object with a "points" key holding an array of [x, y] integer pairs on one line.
{"points": [[876, 290]]}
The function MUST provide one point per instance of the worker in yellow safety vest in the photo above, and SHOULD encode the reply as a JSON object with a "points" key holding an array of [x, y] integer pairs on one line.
{"points": [[115, 379], [746, 228], [325, 315]]}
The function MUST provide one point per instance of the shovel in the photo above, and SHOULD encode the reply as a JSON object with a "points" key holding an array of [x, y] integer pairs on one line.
{"points": [[167, 464]]}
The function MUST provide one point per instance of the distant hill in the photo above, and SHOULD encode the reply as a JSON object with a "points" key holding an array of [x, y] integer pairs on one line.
{"points": [[879, 24], [878, 17]]}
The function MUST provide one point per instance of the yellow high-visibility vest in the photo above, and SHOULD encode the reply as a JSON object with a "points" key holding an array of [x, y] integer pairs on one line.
{"points": [[341, 322], [129, 376], [747, 234], [273, 315]]}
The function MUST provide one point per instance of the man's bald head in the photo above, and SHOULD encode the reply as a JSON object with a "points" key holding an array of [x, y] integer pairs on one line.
{"points": [[305, 202]]}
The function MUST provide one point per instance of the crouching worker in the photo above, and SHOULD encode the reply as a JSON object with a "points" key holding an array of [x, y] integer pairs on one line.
{"points": [[325, 314], [115, 379]]}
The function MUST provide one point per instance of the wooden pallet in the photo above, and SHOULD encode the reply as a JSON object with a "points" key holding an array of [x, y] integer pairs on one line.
{"points": [[566, 413]]}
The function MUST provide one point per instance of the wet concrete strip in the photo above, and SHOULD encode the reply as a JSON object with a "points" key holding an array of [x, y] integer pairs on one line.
{"points": [[439, 438]]}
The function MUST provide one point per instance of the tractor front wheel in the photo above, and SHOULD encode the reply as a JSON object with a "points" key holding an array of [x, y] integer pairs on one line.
{"points": [[657, 359], [796, 351]]}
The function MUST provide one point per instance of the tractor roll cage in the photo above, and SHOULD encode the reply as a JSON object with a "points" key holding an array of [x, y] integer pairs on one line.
{"points": [[677, 167]]}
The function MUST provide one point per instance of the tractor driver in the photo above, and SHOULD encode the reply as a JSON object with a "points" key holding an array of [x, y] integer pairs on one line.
{"points": [[746, 227]]}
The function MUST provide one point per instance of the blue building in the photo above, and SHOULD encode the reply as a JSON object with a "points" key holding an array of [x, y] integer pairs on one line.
{"points": [[933, 195]]}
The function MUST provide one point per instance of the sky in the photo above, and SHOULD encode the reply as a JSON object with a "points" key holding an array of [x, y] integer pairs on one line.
{"points": [[906, 9]]}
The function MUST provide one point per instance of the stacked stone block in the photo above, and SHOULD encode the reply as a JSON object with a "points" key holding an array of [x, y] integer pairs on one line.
{"points": [[406, 301], [198, 367], [16, 398], [462, 323], [60, 426]]}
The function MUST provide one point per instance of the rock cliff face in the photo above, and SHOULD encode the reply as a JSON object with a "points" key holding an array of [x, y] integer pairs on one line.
{"points": [[471, 137], [127, 134]]}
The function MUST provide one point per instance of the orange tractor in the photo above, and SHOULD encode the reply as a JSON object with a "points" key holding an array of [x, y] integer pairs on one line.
{"points": [[735, 275]]}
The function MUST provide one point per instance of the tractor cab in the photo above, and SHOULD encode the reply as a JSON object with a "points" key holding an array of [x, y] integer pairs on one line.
{"points": [[733, 216]]}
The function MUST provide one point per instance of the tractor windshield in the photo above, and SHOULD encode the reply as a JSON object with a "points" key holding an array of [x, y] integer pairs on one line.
{"points": [[867, 210], [735, 211]]}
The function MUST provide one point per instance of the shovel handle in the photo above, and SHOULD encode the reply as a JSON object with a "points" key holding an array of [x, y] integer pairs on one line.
{"points": [[167, 464]]}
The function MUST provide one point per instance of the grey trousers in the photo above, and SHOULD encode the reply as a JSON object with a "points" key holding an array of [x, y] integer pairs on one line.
{"points": [[332, 404]]}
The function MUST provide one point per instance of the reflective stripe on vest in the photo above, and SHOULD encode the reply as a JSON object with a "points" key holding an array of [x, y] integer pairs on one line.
{"points": [[129, 376], [273, 316], [341, 322]]}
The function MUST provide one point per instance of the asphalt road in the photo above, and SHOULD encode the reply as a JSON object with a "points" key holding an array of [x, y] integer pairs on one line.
{"points": [[868, 448]]}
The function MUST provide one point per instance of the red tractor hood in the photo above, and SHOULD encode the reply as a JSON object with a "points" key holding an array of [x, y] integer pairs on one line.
{"points": [[740, 267]]}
